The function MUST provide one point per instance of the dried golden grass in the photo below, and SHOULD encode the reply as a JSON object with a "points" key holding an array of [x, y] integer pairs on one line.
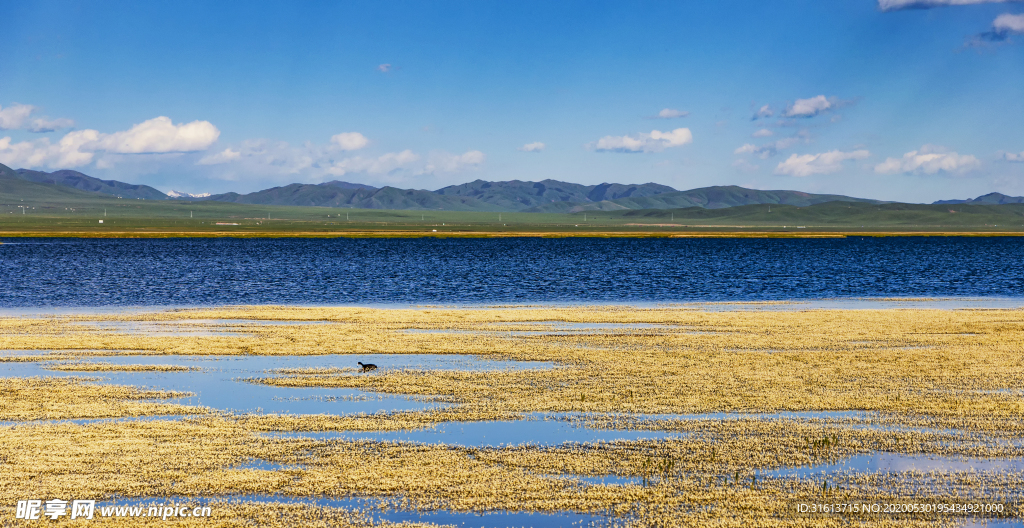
{"points": [[114, 367], [66, 398], [927, 369]]}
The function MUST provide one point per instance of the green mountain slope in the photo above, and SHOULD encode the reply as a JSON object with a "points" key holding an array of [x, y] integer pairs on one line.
{"points": [[518, 195], [77, 180], [15, 191], [716, 197], [547, 196], [479, 195], [986, 199], [332, 194]]}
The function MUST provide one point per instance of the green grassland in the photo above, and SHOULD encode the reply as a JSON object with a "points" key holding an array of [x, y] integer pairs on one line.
{"points": [[845, 215], [30, 209]]}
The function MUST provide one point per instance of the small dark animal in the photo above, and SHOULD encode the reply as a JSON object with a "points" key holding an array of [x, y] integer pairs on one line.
{"points": [[367, 367]]}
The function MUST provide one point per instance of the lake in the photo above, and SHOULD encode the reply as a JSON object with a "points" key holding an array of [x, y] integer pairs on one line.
{"points": [[68, 272]]}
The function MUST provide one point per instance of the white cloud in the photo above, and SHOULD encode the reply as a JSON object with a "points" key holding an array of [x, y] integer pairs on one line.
{"points": [[930, 159], [220, 157], [281, 161], [1003, 27], [350, 140], [15, 117], [379, 165], [824, 163], [42, 153], [893, 5], [655, 141], [536, 146], [159, 134], [770, 149], [77, 148], [445, 162], [1014, 156], [1007, 23], [45, 124], [384, 68], [810, 107], [764, 132], [671, 113], [19, 117], [277, 157], [764, 113]]}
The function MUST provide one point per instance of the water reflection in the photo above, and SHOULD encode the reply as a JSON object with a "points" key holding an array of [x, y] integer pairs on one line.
{"points": [[494, 433], [899, 462]]}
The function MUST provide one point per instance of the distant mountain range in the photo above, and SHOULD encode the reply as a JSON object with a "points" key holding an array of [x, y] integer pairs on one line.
{"points": [[548, 196], [82, 182], [985, 199]]}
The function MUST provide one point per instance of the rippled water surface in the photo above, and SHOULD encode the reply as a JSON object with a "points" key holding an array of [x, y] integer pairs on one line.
{"points": [[495, 519], [163, 272]]}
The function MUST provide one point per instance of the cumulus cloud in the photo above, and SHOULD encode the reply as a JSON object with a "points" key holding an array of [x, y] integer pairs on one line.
{"points": [[1003, 27], [671, 113], [66, 153], [763, 113], [77, 148], [824, 163], [1017, 157], [350, 140], [15, 117], [655, 141], [383, 164], [444, 162], [19, 117], [156, 135], [536, 146], [810, 107], [894, 5], [764, 132], [930, 159], [1009, 23], [223, 156]]}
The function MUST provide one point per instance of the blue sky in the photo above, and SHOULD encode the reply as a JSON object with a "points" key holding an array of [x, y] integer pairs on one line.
{"points": [[901, 100]]}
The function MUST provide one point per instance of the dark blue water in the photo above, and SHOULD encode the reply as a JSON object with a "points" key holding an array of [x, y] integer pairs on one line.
{"points": [[127, 272]]}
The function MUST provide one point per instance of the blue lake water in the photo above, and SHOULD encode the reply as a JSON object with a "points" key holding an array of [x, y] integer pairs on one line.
{"points": [[492, 434], [899, 462], [54, 272], [369, 506], [220, 381]]}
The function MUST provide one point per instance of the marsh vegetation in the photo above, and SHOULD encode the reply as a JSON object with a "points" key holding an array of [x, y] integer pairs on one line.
{"points": [[722, 417]]}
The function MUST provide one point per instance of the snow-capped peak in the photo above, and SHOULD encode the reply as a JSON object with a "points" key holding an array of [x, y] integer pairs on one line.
{"points": [[176, 194]]}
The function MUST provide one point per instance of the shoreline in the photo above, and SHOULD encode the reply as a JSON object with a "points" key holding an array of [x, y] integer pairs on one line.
{"points": [[501, 234]]}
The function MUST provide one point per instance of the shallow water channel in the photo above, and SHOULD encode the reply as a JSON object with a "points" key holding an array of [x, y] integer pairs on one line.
{"points": [[900, 462], [219, 381], [537, 429]]}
